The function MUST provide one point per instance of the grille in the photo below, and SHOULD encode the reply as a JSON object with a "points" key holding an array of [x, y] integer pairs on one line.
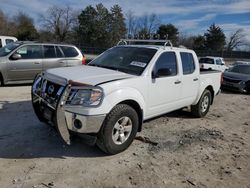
{"points": [[50, 92], [231, 80]]}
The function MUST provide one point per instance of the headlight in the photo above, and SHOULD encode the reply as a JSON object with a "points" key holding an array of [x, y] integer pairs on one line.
{"points": [[242, 83], [89, 97]]}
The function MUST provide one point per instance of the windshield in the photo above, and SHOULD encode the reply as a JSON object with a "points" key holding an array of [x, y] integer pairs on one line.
{"points": [[243, 69], [131, 60], [8, 48]]}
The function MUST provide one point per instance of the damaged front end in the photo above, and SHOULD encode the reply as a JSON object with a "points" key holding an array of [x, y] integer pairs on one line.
{"points": [[64, 103]]}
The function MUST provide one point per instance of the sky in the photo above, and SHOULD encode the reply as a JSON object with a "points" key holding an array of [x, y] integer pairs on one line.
{"points": [[189, 16]]}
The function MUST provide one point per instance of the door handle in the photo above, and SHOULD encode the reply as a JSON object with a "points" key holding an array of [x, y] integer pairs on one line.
{"points": [[61, 62], [37, 63], [195, 79], [177, 82]]}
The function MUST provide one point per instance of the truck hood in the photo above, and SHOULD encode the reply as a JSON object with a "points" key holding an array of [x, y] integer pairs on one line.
{"points": [[85, 74], [237, 76]]}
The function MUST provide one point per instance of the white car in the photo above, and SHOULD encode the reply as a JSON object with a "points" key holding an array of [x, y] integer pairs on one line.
{"points": [[6, 40], [213, 63], [111, 97]]}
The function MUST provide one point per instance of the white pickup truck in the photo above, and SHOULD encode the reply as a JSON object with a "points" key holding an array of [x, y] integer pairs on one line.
{"points": [[213, 63], [110, 97]]}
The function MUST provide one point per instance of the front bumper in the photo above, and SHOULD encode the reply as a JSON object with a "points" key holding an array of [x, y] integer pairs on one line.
{"points": [[82, 123], [234, 86], [53, 109]]}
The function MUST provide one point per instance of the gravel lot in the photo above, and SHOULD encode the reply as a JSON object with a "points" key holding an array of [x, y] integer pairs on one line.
{"points": [[185, 152]]}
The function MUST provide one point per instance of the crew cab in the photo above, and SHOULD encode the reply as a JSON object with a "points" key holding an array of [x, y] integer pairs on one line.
{"points": [[213, 63], [111, 97]]}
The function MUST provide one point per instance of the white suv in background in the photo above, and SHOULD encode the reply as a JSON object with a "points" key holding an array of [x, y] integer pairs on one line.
{"points": [[6, 40], [213, 63]]}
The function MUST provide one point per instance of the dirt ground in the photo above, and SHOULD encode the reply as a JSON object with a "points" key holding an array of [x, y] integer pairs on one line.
{"points": [[185, 152]]}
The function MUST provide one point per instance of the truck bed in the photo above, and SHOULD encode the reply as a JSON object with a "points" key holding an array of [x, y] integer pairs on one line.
{"points": [[206, 71]]}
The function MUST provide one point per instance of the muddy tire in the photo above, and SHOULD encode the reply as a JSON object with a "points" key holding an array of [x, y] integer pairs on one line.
{"points": [[119, 129], [202, 107]]}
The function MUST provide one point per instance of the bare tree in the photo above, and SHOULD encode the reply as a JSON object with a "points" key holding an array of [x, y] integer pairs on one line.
{"points": [[59, 21], [7, 26], [148, 24], [236, 39], [131, 22]]}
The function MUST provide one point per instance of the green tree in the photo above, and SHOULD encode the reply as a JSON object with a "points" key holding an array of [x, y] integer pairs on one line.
{"points": [[118, 26], [215, 38], [199, 43], [99, 27], [25, 29], [94, 26], [170, 32]]}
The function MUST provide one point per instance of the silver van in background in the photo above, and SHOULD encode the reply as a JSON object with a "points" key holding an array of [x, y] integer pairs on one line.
{"points": [[20, 62], [4, 40]]}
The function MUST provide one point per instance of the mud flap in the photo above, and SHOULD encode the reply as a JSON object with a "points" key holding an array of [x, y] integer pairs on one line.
{"points": [[61, 123]]}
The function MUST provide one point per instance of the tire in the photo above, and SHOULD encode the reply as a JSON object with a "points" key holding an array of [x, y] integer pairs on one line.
{"points": [[118, 130], [248, 87], [202, 107], [1, 80]]}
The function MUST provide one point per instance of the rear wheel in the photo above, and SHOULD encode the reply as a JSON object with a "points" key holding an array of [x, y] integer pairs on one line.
{"points": [[1, 80], [202, 107], [119, 129], [248, 87]]}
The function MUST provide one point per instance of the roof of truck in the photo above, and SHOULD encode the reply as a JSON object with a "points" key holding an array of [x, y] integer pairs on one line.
{"points": [[157, 47]]}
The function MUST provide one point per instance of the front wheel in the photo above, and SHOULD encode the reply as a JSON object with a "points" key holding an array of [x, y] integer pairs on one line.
{"points": [[202, 107], [119, 129]]}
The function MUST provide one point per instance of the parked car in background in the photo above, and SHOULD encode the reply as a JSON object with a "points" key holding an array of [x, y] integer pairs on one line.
{"points": [[20, 62], [213, 63], [237, 78], [4, 40], [111, 97]]}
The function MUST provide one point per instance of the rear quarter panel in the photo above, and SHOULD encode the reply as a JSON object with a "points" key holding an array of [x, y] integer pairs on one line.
{"points": [[210, 78]]}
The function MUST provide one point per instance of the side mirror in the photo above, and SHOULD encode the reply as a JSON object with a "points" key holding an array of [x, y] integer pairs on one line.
{"points": [[161, 73], [16, 56]]}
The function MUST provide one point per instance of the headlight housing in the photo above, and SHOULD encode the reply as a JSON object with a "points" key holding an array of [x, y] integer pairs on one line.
{"points": [[86, 96]]}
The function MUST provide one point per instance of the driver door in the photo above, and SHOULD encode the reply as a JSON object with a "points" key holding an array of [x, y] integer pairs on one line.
{"points": [[28, 66], [164, 92]]}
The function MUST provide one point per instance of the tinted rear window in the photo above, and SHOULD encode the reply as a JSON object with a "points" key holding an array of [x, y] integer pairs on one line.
{"points": [[69, 51], [188, 65], [206, 60], [49, 52]]}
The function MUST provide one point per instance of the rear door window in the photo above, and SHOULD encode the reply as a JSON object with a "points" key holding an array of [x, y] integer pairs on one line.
{"points": [[49, 51], [59, 52], [188, 65], [30, 52], [218, 62], [69, 51]]}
